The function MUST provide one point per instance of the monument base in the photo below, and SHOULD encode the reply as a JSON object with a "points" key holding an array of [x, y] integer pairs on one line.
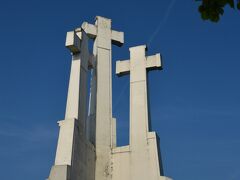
{"points": [[140, 163], [60, 172], [165, 178], [75, 157]]}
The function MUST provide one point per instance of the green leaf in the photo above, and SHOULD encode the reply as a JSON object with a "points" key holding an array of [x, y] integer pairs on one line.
{"points": [[205, 15], [231, 3], [221, 11], [238, 5], [213, 9]]}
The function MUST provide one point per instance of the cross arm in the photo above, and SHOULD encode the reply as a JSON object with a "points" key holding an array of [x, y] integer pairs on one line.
{"points": [[90, 29], [154, 62], [73, 42], [122, 67], [117, 37]]}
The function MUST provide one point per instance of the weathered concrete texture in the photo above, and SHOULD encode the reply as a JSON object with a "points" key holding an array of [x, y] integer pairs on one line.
{"points": [[74, 151], [141, 159], [60, 172], [139, 164], [103, 37], [87, 148]]}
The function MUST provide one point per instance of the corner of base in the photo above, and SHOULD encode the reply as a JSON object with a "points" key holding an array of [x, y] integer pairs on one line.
{"points": [[165, 178], [59, 172]]}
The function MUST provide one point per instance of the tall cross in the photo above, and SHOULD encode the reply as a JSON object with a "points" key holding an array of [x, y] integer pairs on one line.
{"points": [[77, 43], [76, 108], [101, 92], [137, 66]]}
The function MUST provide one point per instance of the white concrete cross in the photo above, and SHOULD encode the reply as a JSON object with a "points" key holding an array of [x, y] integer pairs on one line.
{"points": [[97, 157], [77, 43], [101, 118], [98, 30], [137, 67], [76, 108]]}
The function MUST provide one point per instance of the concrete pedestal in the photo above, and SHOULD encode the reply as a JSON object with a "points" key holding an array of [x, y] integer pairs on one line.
{"points": [[87, 151], [142, 163], [60, 172], [75, 156], [141, 160]]}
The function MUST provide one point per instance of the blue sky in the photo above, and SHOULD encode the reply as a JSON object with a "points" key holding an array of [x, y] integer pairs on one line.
{"points": [[195, 99]]}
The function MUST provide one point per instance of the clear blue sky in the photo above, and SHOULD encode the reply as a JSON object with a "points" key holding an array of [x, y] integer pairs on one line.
{"points": [[195, 100]]}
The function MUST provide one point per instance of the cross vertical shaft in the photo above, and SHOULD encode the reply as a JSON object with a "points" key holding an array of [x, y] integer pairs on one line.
{"points": [[76, 110], [104, 38], [77, 91], [137, 65]]}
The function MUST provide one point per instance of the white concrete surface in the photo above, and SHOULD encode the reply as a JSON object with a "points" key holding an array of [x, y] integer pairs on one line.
{"points": [[75, 154], [141, 159], [102, 112], [61, 172], [87, 144]]}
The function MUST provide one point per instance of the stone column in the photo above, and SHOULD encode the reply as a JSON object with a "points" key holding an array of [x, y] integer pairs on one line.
{"points": [[104, 37]]}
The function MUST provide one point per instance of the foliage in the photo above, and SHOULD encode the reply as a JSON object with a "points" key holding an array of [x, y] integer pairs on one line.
{"points": [[213, 9]]}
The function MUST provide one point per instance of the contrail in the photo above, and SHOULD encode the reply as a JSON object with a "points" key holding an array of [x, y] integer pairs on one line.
{"points": [[165, 18], [120, 95]]}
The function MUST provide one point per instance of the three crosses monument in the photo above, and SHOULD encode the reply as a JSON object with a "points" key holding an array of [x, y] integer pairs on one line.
{"points": [[86, 148]]}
